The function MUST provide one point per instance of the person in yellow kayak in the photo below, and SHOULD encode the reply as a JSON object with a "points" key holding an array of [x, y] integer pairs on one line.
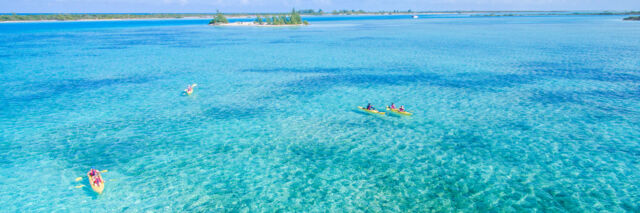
{"points": [[94, 173], [97, 181], [401, 109], [189, 89], [369, 107], [393, 106]]}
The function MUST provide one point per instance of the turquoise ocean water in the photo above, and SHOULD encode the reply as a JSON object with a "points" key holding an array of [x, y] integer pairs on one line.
{"points": [[512, 114]]}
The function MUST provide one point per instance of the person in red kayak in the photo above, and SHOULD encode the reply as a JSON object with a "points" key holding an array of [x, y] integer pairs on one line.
{"points": [[401, 109]]}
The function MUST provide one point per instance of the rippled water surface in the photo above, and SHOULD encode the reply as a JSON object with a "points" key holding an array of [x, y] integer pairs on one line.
{"points": [[510, 114]]}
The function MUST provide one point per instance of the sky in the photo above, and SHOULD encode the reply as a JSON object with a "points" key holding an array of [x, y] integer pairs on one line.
{"points": [[232, 6]]}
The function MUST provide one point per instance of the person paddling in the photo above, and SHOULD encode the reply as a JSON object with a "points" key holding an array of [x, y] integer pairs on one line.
{"points": [[97, 181], [401, 109], [369, 107], [393, 106]]}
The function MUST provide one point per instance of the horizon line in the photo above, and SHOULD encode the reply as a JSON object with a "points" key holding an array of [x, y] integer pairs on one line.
{"points": [[327, 12]]}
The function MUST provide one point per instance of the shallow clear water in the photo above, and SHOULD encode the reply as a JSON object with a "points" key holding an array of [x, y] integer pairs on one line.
{"points": [[511, 114]]}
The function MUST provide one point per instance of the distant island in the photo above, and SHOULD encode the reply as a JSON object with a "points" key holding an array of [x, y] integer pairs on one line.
{"points": [[559, 13], [293, 18], [276, 19], [632, 18], [76, 17]]}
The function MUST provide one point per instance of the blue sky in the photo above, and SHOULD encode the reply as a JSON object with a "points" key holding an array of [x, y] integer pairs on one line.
{"points": [[195, 6]]}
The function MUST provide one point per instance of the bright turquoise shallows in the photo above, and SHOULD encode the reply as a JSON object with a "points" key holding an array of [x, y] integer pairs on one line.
{"points": [[511, 114]]}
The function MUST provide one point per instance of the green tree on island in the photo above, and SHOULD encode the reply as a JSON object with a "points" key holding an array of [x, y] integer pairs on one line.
{"points": [[632, 18], [219, 19], [292, 19], [283, 20], [295, 17]]}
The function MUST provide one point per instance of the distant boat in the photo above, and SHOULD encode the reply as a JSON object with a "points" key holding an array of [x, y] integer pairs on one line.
{"points": [[415, 16]]}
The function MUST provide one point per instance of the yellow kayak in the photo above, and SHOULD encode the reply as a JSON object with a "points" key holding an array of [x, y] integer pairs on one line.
{"points": [[371, 111], [188, 92], [399, 112], [96, 187]]}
